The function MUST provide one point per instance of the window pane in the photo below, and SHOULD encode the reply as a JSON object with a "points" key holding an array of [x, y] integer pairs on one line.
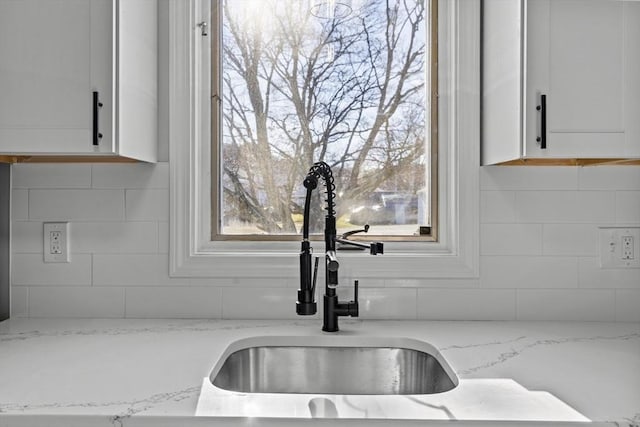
{"points": [[344, 82]]}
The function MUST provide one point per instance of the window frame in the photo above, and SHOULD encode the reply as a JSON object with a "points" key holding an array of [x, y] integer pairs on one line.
{"points": [[430, 129], [454, 255]]}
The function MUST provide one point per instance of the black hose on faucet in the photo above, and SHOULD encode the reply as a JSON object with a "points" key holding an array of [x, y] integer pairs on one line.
{"points": [[306, 304]]}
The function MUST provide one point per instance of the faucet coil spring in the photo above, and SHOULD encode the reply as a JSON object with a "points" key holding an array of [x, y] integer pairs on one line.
{"points": [[323, 170]]}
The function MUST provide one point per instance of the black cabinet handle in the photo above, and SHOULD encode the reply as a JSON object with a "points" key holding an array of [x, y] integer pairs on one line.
{"points": [[542, 139], [96, 128]]}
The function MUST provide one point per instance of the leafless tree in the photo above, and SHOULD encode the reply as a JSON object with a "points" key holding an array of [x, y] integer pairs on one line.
{"points": [[346, 89]]}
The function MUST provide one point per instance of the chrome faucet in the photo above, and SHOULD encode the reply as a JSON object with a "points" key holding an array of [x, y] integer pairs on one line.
{"points": [[333, 307]]}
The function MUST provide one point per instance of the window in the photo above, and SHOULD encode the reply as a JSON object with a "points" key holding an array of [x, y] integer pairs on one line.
{"points": [[193, 252], [346, 82]]}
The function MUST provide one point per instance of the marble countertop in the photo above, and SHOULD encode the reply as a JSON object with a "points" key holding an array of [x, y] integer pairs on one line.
{"points": [[150, 372]]}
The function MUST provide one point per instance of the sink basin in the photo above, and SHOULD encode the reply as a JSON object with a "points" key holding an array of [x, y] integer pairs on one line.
{"points": [[371, 369]]}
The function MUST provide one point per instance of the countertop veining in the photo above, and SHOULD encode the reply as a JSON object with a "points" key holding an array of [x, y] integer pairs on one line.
{"points": [[149, 372]]}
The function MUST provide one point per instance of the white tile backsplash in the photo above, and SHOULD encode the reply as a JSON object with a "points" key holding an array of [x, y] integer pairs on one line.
{"points": [[51, 175], [70, 301], [147, 205], [566, 305], [628, 207], [114, 237], [76, 205], [627, 305], [384, 303], [570, 239], [521, 272], [538, 243], [565, 206], [30, 269], [590, 275], [133, 270], [609, 178], [259, 303], [266, 282], [528, 178], [218, 282], [173, 302], [20, 204], [430, 283], [498, 207], [138, 175], [19, 301], [27, 237], [511, 239], [466, 304]]}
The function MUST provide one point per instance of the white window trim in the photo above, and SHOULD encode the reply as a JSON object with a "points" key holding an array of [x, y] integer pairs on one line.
{"points": [[454, 256]]}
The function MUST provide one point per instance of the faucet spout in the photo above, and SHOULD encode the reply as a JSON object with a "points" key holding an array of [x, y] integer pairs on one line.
{"points": [[375, 248]]}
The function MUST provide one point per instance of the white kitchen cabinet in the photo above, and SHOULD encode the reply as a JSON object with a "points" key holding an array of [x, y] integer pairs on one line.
{"points": [[55, 54], [584, 56]]}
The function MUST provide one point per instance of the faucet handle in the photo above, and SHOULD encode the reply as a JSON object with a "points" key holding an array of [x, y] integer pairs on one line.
{"points": [[355, 291], [353, 308], [315, 277]]}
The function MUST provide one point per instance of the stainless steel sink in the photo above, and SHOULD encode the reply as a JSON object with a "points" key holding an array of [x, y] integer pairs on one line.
{"points": [[332, 370], [360, 377]]}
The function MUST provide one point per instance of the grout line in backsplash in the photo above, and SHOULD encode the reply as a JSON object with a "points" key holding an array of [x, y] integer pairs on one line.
{"points": [[124, 203], [577, 267], [28, 301]]}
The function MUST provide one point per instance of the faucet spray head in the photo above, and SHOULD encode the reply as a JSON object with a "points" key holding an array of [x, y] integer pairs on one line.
{"points": [[306, 304], [310, 182]]}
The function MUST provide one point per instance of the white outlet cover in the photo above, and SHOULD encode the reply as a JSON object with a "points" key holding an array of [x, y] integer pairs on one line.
{"points": [[611, 247], [62, 247]]}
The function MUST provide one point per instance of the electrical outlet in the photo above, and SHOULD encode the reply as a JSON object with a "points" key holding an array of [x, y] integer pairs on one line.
{"points": [[619, 247], [627, 247], [56, 242]]}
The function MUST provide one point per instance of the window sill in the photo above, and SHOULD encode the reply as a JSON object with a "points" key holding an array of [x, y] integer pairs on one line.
{"points": [[266, 260]]}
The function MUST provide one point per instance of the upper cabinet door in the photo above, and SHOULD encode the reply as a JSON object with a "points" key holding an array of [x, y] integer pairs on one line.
{"points": [[502, 80], [631, 93], [54, 55], [583, 57], [575, 56]]}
